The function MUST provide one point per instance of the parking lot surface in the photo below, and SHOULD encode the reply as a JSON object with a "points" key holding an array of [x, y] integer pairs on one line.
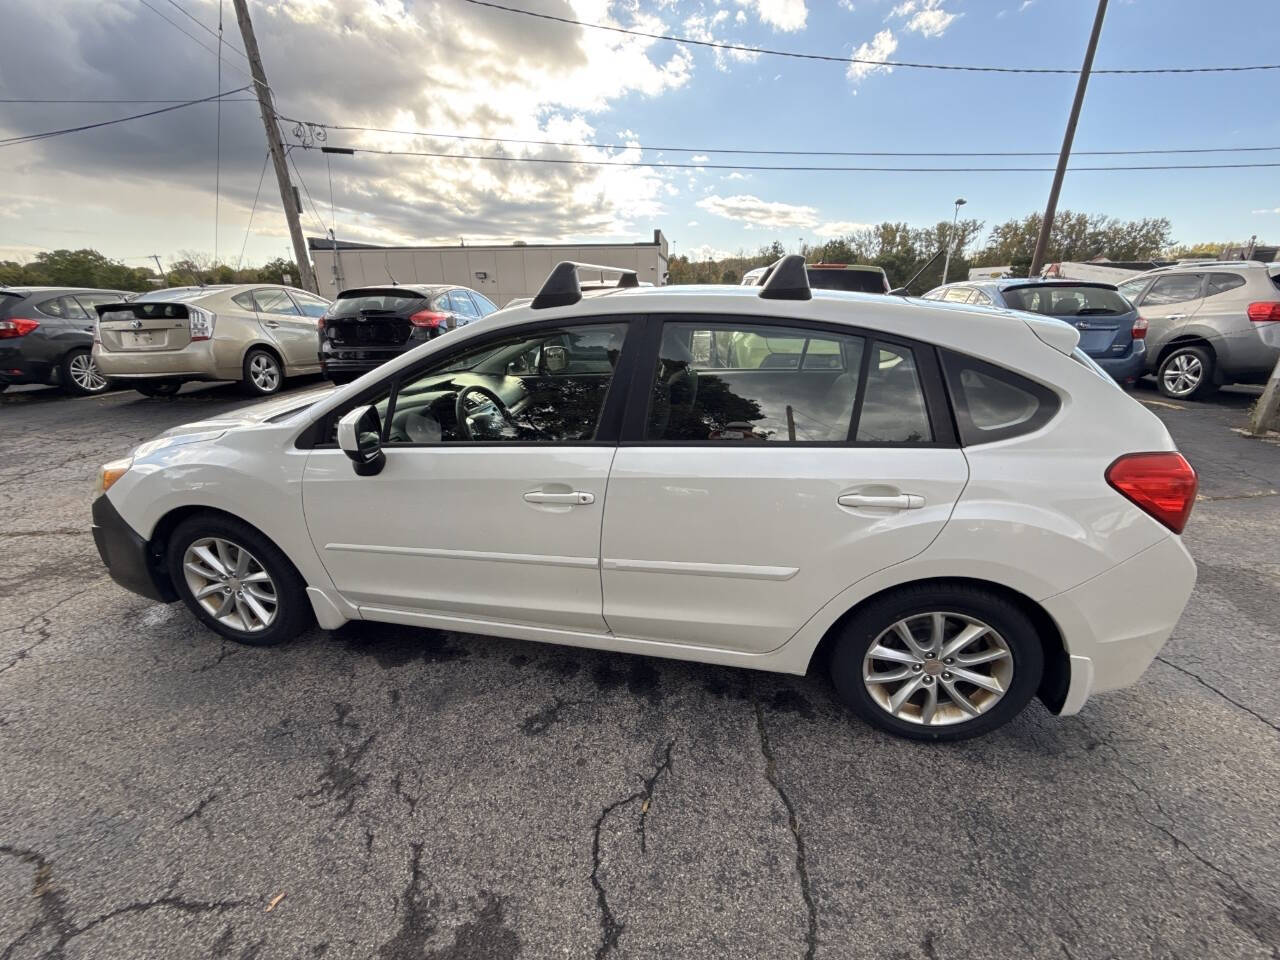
{"points": [[394, 793]]}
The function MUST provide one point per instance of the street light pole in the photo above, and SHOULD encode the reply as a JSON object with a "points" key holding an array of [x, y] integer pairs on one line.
{"points": [[951, 238], [1051, 208]]}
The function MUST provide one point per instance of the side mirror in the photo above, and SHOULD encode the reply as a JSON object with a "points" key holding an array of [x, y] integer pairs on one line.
{"points": [[360, 437], [555, 359]]}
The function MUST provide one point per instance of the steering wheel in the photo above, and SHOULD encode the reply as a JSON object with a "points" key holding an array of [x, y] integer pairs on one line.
{"points": [[461, 413]]}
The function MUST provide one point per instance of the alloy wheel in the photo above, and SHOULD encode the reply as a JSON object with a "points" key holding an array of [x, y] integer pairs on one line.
{"points": [[230, 584], [85, 373], [938, 668], [1182, 374], [264, 372]]}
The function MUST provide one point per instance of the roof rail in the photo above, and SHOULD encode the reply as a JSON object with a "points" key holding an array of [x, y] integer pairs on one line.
{"points": [[787, 279], [562, 289]]}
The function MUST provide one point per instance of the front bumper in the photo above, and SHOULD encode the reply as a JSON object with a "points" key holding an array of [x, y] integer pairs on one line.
{"points": [[128, 557], [1115, 624]]}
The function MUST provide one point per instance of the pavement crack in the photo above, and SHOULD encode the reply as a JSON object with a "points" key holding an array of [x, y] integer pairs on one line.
{"points": [[1208, 686], [802, 866], [42, 625], [610, 926], [196, 812], [546, 717]]}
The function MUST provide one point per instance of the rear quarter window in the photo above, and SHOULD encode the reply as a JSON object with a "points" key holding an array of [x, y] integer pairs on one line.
{"points": [[992, 403], [1222, 282]]}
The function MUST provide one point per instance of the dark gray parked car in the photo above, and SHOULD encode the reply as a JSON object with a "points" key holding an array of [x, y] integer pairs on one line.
{"points": [[46, 336], [1112, 333], [1212, 323]]}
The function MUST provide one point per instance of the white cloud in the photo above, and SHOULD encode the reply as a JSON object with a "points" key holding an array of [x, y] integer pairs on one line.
{"points": [[784, 15], [697, 27], [839, 228], [1025, 4], [759, 213], [704, 251], [923, 16], [847, 5], [881, 48], [1268, 210], [700, 158], [740, 17], [692, 223], [736, 175]]}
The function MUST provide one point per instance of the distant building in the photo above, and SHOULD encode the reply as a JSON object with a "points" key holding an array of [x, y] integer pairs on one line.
{"points": [[501, 272], [990, 273]]}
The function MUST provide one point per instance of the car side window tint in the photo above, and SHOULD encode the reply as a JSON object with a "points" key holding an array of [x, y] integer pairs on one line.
{"points": [[244, 300], [980, 297], [992, 403], [274, 301], [893, 410], [1174, 289], [1222, 282], [549, 386], [53, 307], [461, 304], [743, 383]]}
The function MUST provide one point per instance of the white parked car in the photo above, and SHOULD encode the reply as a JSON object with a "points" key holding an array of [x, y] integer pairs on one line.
{"points": [[952, 518]]}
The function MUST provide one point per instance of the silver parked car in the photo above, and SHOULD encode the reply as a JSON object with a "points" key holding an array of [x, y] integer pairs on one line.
{"points": [[257, 333], [1210, 323]]}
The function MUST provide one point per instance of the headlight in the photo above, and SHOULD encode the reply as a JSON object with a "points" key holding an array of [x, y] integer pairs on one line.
{"points": [[109, 473]]}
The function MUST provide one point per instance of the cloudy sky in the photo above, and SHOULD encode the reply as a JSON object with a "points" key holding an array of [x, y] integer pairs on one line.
{"points": [[451, 67]]}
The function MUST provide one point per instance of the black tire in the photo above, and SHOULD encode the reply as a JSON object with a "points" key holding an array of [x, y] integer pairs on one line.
{"points": [[341, 379], [158, 388], [263, 374], [80, 376], [293, 613], [867, 625], [1194, 358]]}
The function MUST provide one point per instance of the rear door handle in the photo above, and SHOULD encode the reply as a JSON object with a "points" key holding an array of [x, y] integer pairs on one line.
{"points": [[271, 323], [903, 501], [576, 497]]}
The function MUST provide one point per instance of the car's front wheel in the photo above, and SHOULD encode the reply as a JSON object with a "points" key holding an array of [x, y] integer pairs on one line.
{"points": [[81, 376], [1186, 373], [262, 373], [938, 662], [236, 581]]}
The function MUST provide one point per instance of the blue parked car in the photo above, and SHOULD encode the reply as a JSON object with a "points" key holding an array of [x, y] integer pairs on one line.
{"points": [[1111, 332]]}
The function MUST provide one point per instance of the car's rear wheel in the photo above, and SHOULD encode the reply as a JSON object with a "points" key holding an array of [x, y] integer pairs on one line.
{"points": [[81, 376], [158, 388], [262, 373], [1186, 373], [236, 581], [943, 662]]}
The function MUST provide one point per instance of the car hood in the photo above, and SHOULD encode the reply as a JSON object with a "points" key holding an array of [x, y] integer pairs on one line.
{"points": [[254, 414]]}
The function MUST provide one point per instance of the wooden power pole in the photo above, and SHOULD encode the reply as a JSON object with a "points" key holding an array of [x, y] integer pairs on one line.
{"points": [[288, 196], [1051, 209]]}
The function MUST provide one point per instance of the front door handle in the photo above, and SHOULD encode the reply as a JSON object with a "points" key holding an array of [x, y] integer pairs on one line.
{"points": [[575, 497], [1175, 316], [903, 501]]}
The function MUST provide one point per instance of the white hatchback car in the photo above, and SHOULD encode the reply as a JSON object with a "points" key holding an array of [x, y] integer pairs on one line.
{"points": [[950, 517]]}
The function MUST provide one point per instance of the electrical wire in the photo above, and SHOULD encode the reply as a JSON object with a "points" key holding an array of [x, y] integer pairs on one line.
{"points": [[197, 40], [118, 100], [201, 24], [257, 193], [809, 168], [315, 211], [31, 137], [863, 60], [776, 153]]}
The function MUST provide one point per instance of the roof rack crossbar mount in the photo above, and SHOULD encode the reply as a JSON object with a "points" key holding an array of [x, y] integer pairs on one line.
{"points": [[562, 287], [787, 279]]}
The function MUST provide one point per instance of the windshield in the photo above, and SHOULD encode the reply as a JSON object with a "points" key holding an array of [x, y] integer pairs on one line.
{"points": [[857, 281], [1062, 300]]}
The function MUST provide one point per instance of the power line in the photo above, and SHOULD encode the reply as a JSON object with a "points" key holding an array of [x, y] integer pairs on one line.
{"points": [[315, 211], [740, 48], [31, 137], [201, 24], [257, 193], [777, 153], [116, 100], [659, 165], [193, 38]]}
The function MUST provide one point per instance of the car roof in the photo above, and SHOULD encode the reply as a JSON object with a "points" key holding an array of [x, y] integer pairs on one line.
{"points": [[27, 291], [1198, 266]]}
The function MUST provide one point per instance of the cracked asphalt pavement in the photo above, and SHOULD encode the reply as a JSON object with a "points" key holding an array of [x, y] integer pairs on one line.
{"points": [[393, 793]]}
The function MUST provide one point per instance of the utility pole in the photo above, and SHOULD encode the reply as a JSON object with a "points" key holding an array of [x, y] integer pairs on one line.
{"points": [[1051, 209], [951, 238], [163, 275], [288, 197]]}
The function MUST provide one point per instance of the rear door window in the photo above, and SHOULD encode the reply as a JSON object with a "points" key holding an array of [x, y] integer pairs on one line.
{"points": [[65, 307], [1174, 289], [992, 403], [483, 303], [893, 410], [274, 301], [1222, 282], [461, 304]]}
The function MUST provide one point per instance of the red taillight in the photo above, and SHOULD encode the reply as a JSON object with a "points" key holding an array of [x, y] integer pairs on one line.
{"points": [[1140, 329], [1265, 311], [428, 319], [16, 327], [1162, 484]]}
